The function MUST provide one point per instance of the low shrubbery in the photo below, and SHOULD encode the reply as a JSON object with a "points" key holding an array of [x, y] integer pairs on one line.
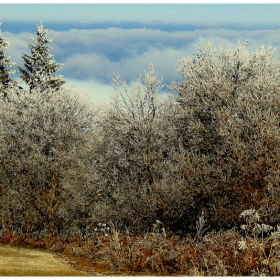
{"points": [[251, 251]]}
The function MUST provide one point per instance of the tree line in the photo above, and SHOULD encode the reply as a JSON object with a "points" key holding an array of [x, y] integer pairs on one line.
{"points": [[211, 146]]}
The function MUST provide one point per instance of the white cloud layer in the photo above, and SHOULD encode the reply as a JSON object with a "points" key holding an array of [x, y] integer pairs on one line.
{"points": [[90, 56], [96, 92]]}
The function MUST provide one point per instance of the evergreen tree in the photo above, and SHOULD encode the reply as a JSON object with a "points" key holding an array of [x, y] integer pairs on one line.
{"points": [[40, 65], [5, 64]]}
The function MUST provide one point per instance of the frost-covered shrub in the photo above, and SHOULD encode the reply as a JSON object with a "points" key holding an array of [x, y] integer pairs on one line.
{"points": [[228, 120], [133, 159], [45, 139]]}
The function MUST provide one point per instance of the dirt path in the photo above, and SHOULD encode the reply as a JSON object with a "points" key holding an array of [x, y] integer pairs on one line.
{"points": [[31, 262]]}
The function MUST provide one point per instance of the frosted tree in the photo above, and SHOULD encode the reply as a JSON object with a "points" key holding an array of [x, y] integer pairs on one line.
{"points": [[41, 65], [133, 155], [45, 141], [5, 64], [228, 118]]}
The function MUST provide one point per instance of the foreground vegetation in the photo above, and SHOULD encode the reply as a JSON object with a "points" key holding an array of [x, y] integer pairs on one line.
{"points": [[186, 184], [111, 252]]}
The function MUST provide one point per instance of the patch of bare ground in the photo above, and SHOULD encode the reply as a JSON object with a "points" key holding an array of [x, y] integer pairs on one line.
{"points": [[33, 262], [20, 261]]}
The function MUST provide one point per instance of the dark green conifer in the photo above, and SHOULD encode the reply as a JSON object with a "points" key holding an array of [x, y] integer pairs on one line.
{"points": [[40, 65], [5, 67]]}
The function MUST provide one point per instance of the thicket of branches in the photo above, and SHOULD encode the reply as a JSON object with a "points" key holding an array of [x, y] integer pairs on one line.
{"points": [[211, 146]]}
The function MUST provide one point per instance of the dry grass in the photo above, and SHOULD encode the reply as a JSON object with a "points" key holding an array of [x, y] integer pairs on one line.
{"points": [[249, 252]]}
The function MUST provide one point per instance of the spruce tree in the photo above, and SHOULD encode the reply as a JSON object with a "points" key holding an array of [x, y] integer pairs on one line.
{"points": [[40, 65], [5, 64]]}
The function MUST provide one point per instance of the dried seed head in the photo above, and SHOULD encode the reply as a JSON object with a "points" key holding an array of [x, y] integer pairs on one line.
{"points": [[262, 228], [242, 245], [251, 215], [247, 213], [244, 227]]}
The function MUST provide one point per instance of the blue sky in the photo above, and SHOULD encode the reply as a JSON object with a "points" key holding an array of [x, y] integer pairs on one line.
{"points": [[166, 13], [95, 40]]}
